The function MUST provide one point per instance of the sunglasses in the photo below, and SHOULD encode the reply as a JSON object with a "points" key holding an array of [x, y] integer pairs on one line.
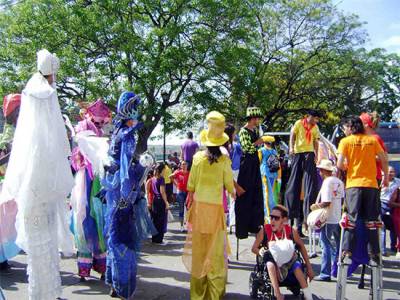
{"points": [[276, 218]]}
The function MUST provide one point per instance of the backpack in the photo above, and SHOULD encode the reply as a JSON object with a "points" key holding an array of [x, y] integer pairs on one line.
{"points": [[273, 163]]}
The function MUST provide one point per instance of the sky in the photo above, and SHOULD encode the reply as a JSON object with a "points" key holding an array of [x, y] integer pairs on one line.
{"points": [[383, 21]]}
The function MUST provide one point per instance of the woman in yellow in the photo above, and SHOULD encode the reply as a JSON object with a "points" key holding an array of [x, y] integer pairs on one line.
{"points": [[206, 249]]}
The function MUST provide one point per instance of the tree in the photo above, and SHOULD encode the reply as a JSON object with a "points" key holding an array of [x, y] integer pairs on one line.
{"points": [[302, 54], [283, 55], [150, 46]]}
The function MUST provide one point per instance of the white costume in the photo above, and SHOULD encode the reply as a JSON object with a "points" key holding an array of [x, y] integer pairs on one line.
{"points": [[39, 178]]}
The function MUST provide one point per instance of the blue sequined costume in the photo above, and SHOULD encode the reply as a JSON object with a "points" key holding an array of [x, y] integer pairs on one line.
{"points": [[127, 219]]}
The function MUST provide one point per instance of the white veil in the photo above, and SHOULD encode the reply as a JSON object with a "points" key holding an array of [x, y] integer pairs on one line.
{"points": [[38, 174]]}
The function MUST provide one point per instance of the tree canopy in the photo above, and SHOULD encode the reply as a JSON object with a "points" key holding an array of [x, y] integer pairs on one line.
{"points": [[185, 57]]}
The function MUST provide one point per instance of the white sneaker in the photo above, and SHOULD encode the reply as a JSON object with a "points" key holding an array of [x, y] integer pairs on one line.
{"points": [[398, 255]]}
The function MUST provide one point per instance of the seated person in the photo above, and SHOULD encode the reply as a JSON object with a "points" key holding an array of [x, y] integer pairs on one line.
{"points": [[279, 239]]}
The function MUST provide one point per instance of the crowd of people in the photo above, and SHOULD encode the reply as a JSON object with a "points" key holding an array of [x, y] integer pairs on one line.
{"points": [[233, 178]]}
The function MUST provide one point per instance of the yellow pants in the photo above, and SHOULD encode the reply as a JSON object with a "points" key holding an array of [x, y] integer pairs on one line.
{"points": [[212, 286]]}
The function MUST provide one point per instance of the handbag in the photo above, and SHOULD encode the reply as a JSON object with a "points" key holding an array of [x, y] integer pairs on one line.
{"points": [[282, 250], [317, 218]]}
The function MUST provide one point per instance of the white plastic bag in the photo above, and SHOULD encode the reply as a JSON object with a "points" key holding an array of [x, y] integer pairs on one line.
{"points": [[170, 216]]}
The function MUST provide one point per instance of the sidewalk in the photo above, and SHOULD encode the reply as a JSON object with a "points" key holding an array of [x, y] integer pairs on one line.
{"points": [[162, 276]]}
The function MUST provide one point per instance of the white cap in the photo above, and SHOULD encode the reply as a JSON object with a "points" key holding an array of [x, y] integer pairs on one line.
{"points": [[47, 63]]}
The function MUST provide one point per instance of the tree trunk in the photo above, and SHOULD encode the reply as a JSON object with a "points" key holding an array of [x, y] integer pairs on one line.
{"points": [[143, 137]]}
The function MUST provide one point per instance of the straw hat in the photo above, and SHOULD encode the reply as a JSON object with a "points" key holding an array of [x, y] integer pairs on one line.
{"points": [[268, 139], [326, 164], [214, 135]]}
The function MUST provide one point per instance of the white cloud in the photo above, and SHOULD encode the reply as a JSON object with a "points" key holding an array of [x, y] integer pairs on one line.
{"points": [[393, 41]]}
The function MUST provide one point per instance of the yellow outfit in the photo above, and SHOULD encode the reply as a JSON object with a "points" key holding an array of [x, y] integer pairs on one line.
{"points": [[360, 151], [301, 144], [166, 173], [205, 252]]}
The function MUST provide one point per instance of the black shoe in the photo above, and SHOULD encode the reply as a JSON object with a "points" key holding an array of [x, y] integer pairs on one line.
{"points": [[82, 279], [103, 277], [113, 293], [5, 267], [318, 278]]}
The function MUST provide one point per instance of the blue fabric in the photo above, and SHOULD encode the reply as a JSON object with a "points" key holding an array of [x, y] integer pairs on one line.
{"points": [[235, 155], [291, 279], [266, 153], [127, 219], [360, 256], [89, 223], [330, 248], [181, 198], [8, 250]]}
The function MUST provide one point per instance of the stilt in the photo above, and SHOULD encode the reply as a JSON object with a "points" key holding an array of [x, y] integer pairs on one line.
{"points": [[237, 249]]}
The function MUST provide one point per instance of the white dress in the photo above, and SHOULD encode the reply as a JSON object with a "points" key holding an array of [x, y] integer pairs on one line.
{"points": [[39, 178]]}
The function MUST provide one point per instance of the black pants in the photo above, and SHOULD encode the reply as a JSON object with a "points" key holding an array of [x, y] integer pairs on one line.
{"points": [[249, 207], [159, 217], [303, 163], [362, 203]]}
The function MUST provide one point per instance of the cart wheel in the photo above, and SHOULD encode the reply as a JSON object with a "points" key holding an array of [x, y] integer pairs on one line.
{"points": [[253, 286]]}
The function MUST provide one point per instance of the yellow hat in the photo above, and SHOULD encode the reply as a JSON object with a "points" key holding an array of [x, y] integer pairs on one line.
{"points": [[268, 139], [214, 135]]}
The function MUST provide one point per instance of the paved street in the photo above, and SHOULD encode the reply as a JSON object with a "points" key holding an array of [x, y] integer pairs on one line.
{"points": [[161, 275]]}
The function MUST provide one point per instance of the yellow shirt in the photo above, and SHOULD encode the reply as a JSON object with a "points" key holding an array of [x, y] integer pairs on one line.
{"points": [[360, 151], [166, 173], [301, 144], [208, 181]]}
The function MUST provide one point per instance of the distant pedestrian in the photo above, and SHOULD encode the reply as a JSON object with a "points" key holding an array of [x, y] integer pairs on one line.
{"points": [[188, 149], [169, 188], [180, 179], [395, 205], [205, 252], [332, 194], [387, 193], [159, 209]]}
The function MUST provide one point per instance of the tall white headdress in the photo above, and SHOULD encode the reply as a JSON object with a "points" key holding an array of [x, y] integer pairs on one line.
{"points": [[47, 63]]}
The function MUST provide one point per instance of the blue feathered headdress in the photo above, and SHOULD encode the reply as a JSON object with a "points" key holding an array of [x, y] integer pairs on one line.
{"points": [[128, 106]]}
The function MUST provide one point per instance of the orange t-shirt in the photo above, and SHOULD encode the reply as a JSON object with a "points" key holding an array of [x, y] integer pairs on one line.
{"points": [[360, 151]]}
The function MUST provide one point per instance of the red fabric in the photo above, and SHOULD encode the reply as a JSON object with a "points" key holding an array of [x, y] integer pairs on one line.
{"points": [[308, 129], [181, 180], [378, 163], [270, 237], [396, 223], [11, 103], [367, 120], [150, 195]]}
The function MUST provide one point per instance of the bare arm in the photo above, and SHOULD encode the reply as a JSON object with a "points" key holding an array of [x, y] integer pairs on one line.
{"points": [[316, 147], [341, 162], [164, 196], [256, 245], [385, 167]]}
